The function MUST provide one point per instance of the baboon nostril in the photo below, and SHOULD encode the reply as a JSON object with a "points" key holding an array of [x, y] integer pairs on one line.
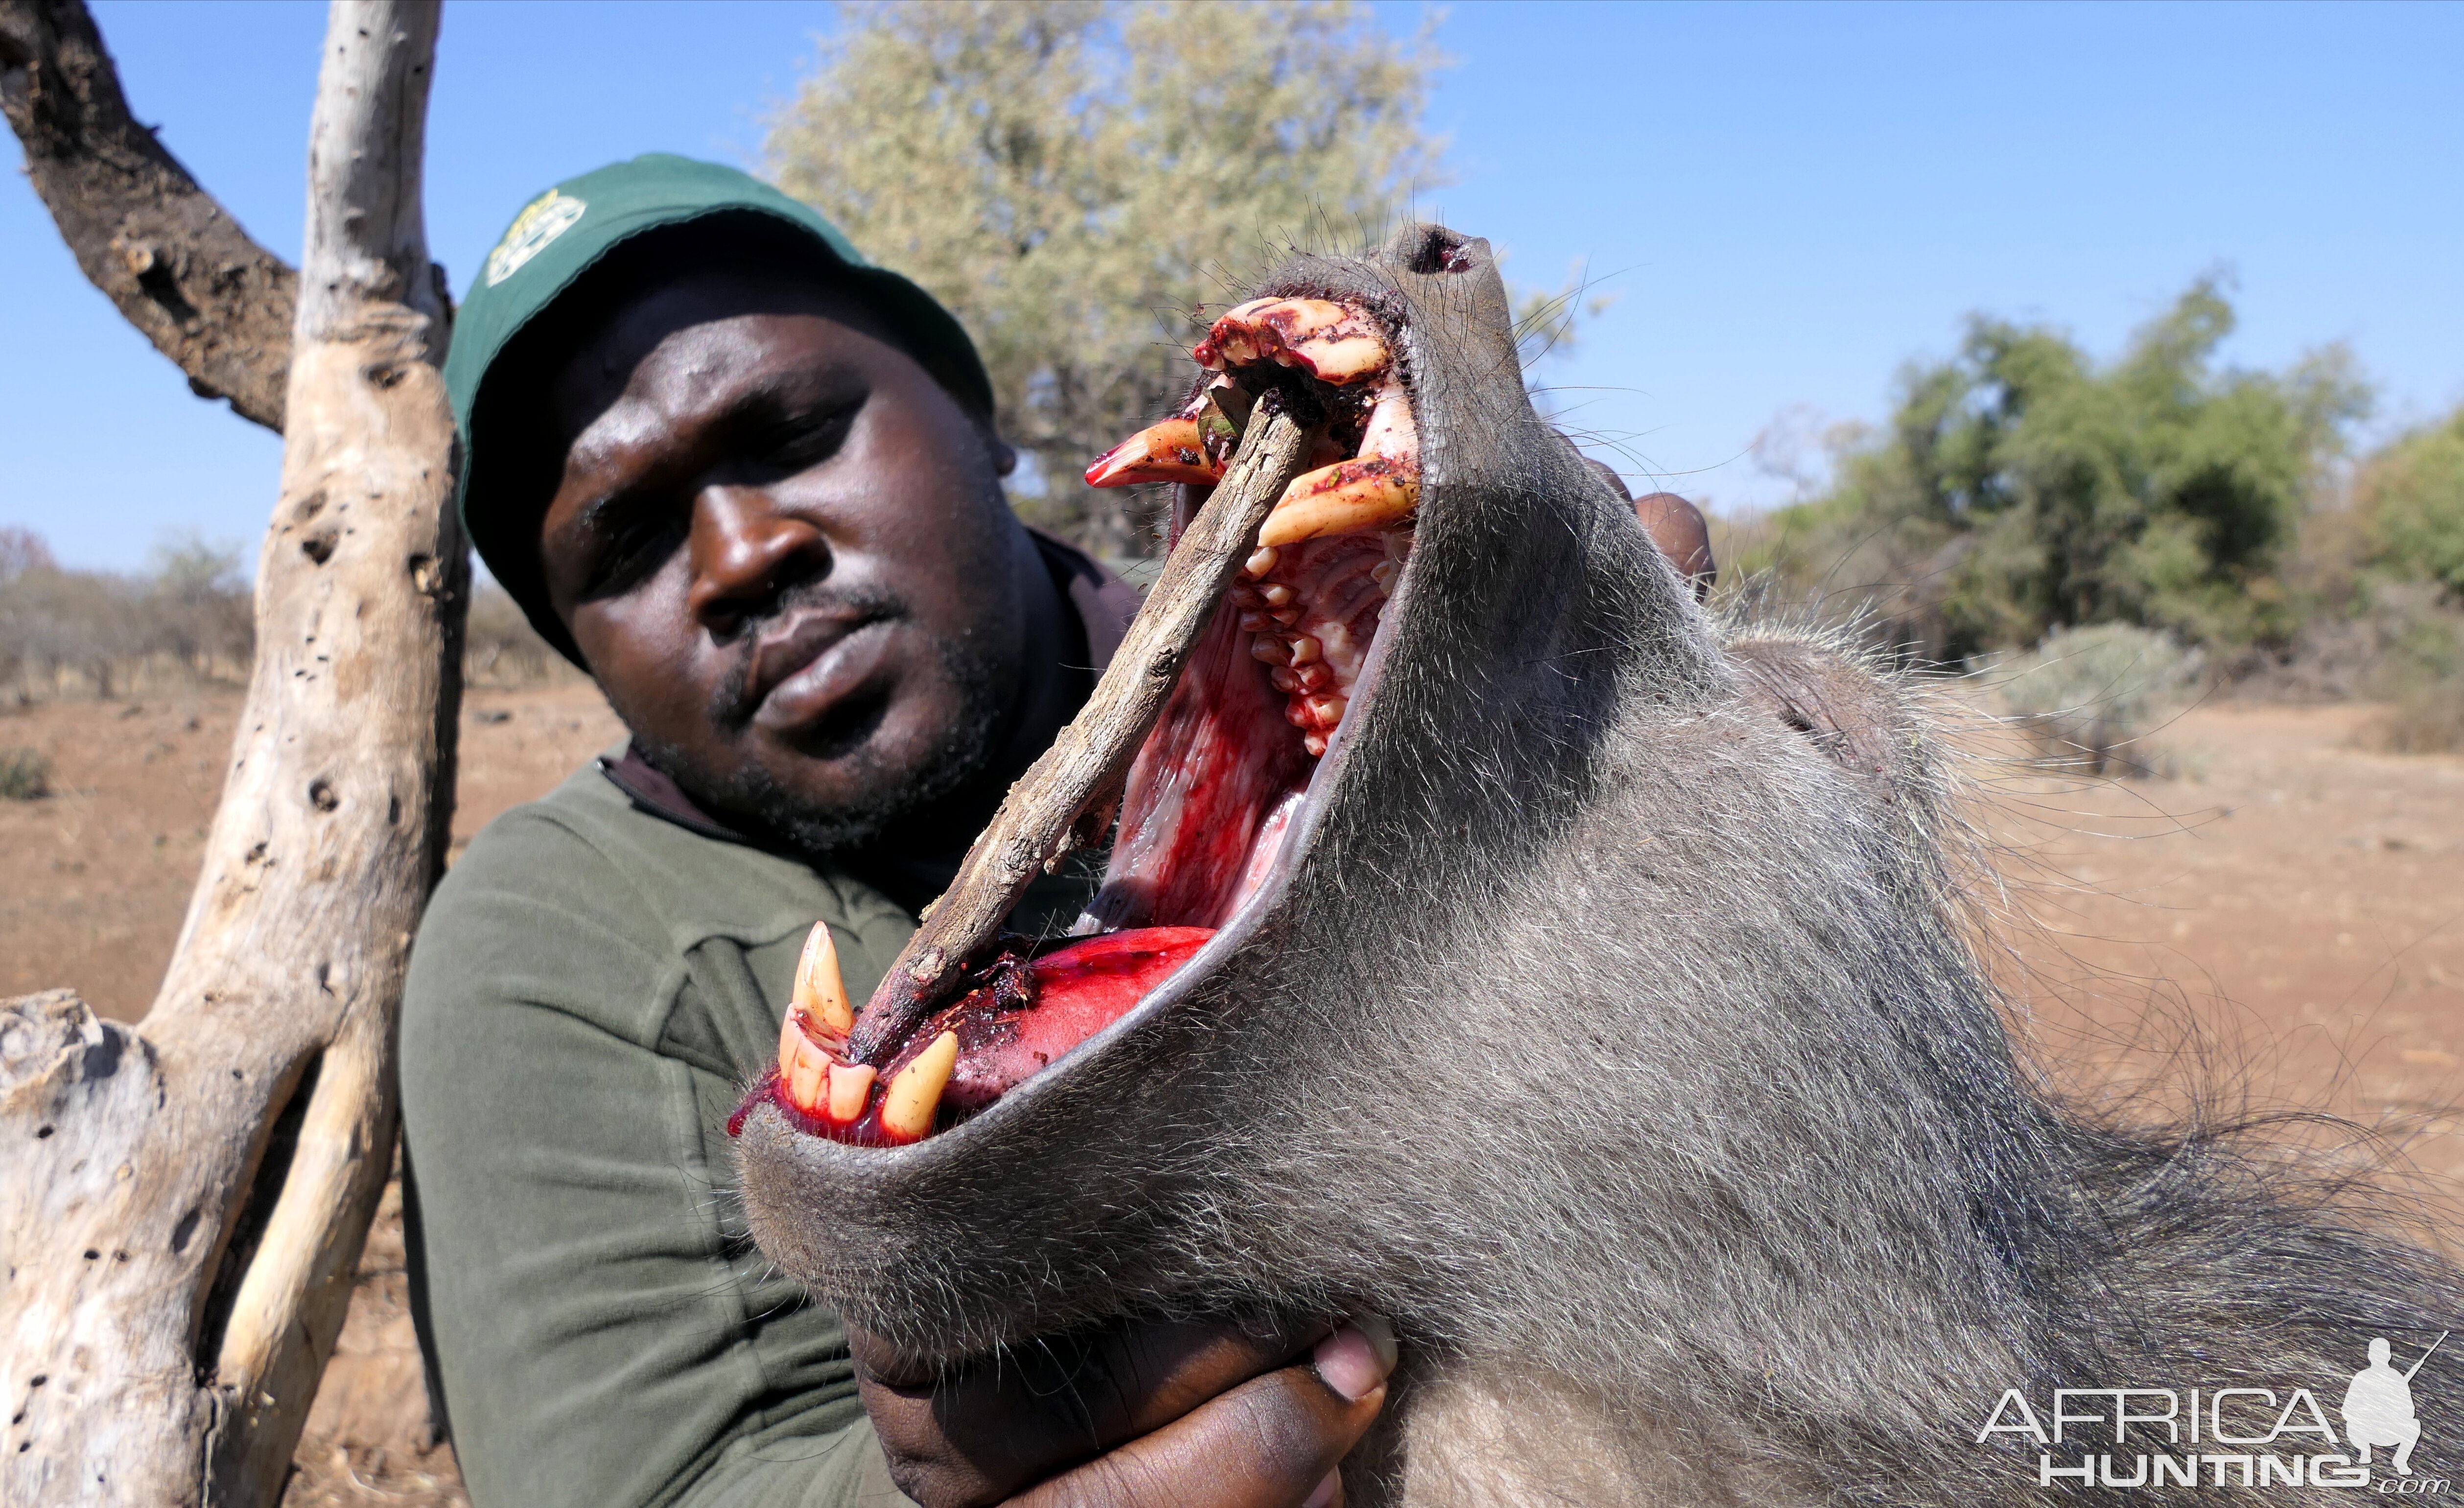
{"points": [[1440, 251]]}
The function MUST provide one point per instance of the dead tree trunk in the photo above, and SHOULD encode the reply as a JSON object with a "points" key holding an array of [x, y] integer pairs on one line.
{"points": [[181, 1208], [175, 262]]}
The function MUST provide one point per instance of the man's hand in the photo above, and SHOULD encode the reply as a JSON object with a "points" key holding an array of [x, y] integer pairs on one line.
{"points": [[1146, 1416]]}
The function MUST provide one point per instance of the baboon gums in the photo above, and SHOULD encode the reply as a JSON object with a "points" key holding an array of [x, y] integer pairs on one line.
{"points": [[1597, 1004]]}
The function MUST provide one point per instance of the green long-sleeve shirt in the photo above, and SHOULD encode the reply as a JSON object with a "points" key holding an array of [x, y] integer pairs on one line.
{"points": [[593, 987]]}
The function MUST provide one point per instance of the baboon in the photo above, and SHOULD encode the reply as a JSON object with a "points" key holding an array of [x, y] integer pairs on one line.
{"points": [[1591, 991]]}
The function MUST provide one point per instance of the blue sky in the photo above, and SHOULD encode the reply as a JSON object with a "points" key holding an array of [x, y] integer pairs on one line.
{"points": [[1787, 201]]}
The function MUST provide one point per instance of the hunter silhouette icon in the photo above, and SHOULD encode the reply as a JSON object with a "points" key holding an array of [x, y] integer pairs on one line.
{"points": [[2378, 1406]]}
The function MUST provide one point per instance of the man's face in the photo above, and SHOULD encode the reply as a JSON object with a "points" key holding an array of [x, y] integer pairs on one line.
{"points": [[782, 548]]}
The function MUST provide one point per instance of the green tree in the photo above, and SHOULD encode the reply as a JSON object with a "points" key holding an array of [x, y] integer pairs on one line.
{"points": [[2021, 488], [2412, 497], [1079, 181]]}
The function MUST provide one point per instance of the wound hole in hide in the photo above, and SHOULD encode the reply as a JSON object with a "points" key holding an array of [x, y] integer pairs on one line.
{"points": [[322, 795], [320, 547], [248, 1224]]}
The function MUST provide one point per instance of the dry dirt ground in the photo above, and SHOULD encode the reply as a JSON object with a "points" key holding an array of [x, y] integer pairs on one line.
{"points": [[2284, 914]]}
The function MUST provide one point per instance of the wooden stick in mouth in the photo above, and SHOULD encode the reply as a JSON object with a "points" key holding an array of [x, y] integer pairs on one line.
{"points": [[1034, 825]]}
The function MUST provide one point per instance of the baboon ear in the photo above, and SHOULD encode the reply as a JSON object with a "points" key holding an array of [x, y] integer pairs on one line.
{"points": [[1846, 712]]}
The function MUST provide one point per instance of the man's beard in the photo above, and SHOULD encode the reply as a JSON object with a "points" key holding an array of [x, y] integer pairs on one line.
{"points": [[751, 797]]}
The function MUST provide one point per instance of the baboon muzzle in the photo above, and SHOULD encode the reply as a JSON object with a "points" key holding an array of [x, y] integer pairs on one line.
{"points": [[1298, 465]]}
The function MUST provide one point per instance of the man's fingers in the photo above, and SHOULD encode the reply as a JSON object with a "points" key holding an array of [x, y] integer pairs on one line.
{"points": [[1004, 1423], [1275, 1440]]}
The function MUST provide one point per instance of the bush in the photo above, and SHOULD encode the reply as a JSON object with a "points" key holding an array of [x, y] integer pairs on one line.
{"points": [[2087, 695], [25, 775], [2421, 673], [2022, 487], [2411, 496], [192, 619]]}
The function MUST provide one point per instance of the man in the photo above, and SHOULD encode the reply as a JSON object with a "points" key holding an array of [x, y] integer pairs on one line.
{"points": [[2378, 1408], [753, 485]]}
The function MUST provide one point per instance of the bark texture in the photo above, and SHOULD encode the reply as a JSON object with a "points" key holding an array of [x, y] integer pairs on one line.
{"points": [[183, 1206], [175, 262]]}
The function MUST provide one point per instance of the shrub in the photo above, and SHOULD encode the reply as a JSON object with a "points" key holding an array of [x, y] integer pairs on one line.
{"points": [[190, 620], [2421, 673], [25, 775], [2023, 486], [2085, 695], [2411, 494]]}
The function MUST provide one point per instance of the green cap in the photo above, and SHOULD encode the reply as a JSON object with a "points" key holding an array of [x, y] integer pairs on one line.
{"points": [[564, 234]]}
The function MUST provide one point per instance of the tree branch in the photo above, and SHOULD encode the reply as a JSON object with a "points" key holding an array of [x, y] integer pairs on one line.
{"points": [[174, 262], [184, 1204]]}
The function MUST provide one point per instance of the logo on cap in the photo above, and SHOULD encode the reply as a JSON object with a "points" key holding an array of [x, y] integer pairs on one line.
{"points": [[543, 220]]}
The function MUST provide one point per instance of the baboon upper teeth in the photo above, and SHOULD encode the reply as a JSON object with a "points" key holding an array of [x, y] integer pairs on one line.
{"points": [[1172, 451], [819, 993], [1331, 342]]}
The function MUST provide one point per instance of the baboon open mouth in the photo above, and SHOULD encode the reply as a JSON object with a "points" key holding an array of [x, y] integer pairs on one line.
{"points": [[1217, 784]]}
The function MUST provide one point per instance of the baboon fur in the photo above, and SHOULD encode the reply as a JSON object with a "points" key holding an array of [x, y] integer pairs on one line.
{"points": [[1612, 1023]]}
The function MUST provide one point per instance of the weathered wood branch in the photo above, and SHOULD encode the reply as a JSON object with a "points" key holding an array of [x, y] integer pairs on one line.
{"points": [[175, 262], [1035, 821], [182, 1206]]}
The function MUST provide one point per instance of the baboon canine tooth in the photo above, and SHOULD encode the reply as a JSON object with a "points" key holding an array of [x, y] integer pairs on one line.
{"points": [[1331, 342], [819, 993], [1364, 493], [1172, 451], [914, 1091], [850, 1087]]}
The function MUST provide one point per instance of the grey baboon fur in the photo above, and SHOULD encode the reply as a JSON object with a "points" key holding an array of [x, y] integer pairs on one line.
{"points": [[1613, 1025]]}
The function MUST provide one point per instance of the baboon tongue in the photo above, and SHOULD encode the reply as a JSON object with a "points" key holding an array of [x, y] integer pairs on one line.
{"points": [[1070, 995]]}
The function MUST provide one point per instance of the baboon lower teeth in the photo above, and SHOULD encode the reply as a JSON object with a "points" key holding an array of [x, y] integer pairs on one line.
{"points": [[1018, 1014], [914, 1091]]}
